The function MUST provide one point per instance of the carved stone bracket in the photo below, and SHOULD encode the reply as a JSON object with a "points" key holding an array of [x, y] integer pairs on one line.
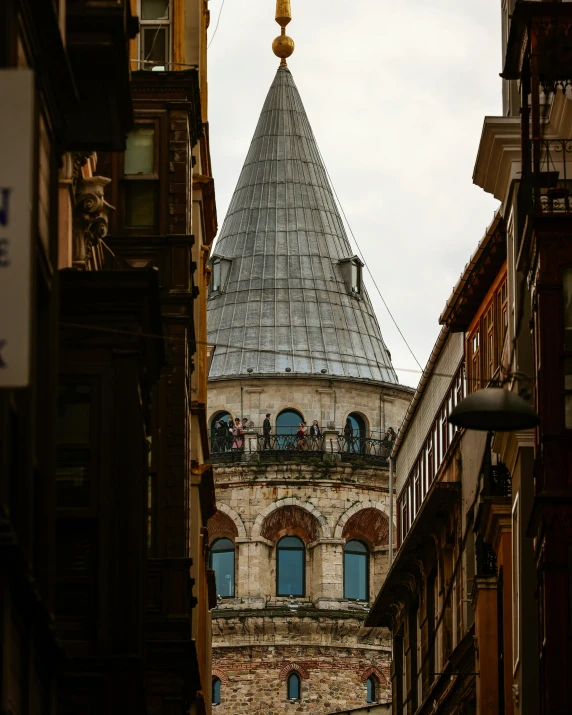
{"points": [[90, 220]]}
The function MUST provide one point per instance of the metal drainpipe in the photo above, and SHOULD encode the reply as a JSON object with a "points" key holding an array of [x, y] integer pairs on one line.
{"points": [[335, 405], [241, 405], [390, 512]]}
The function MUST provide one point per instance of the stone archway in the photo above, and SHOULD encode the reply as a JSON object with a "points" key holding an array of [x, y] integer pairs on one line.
{"points": [[234, 517], [373, 531], [290, 501]]}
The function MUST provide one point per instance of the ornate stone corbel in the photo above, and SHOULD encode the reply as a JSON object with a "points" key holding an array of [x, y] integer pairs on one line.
{"points": [[90, 219]]}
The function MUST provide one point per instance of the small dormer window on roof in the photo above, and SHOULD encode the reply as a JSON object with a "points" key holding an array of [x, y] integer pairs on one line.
{"points": [[216, 271], [220, 271], [352, 272], [356, 277]]}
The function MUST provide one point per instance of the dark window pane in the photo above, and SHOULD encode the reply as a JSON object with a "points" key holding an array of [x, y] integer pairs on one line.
{"points": [[216, 691], [288, 422], [291, 542], [155, 45], [222, 564], [74, 414], [222, 545], [358, 425], [72, 477], [154, 9], [140, 201], [355, 576], [356, 546], [370, 690], [140, 151], [294, 686], [290, 567]]}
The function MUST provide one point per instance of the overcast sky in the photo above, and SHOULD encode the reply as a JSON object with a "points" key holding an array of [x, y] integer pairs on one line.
{"points": [[396, 92]]}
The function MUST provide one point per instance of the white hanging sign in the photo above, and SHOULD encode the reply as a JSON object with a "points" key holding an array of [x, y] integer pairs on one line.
{"points": [[16, 192]]}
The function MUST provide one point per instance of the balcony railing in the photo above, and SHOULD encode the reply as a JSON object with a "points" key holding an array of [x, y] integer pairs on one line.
{"points": [[255, 445], [376, 450], [550, 180], [497, 481]]}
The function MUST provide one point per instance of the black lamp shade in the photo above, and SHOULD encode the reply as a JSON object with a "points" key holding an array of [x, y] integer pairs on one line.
{"points": [[494, 410]]}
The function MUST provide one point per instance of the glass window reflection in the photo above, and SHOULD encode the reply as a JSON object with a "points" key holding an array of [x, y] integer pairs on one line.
{"points": [[356, 571], [293, 686], [222, 563], [290, 567]]}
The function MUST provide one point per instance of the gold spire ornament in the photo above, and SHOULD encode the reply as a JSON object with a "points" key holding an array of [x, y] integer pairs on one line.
{"points": [[283, 46]]}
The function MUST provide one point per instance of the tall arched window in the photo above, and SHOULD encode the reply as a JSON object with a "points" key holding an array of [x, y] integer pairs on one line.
{"points": [[290, 567], [356, 557], [371, 686], [358, 424], [221, 439], [288, 421], [216, 690], [222, 563], [293, 687]]}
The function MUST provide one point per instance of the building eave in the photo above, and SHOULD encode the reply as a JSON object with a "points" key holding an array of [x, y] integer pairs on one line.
{"points": [[479, 273], [441, 498]]}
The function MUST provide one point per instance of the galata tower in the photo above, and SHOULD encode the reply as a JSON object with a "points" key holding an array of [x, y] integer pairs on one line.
{"points": [[299, 543]]}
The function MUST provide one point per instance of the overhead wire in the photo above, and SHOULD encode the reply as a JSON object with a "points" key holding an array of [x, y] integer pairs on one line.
{"points": [[217, 22], [230, 346], [362, 256]]}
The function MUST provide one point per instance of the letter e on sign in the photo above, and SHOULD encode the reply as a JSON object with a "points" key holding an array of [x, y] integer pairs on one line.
{"points": [[16, 183]]}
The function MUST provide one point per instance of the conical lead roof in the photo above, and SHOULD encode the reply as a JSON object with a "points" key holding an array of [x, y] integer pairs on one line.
{"points": [[285, 297]]}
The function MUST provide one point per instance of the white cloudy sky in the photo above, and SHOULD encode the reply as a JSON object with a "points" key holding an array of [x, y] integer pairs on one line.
{"points": [[396, 92]]}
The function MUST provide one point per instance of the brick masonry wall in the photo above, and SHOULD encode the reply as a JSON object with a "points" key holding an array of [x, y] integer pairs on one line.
{"points": [[253, 678]]}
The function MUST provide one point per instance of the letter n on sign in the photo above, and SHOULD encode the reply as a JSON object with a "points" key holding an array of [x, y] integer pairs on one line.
{"points": [[16, 182]]}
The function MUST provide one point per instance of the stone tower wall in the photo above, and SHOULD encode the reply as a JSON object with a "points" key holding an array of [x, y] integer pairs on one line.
{"points": [[326, 500], [327, 400]]}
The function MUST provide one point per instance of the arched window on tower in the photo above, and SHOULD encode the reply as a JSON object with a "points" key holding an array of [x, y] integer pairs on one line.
{"points": [[356, 558], [288, 422], [290, 567], [358, 424], [222, 563], [371, 689], [216, 690], [221, 438], [293, 687]]}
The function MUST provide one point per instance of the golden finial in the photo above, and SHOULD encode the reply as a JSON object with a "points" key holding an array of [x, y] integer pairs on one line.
{"points": [[283, 46]]}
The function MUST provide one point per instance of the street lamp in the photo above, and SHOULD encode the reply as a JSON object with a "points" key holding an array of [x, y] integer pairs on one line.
{"points": [[494, 409]]}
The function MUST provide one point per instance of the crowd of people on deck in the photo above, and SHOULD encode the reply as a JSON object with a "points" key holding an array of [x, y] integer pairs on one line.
{"points": [[228, 435]]}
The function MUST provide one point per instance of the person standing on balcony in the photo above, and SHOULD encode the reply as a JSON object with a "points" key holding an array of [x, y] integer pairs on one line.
{"points": [[301, 435], [219, 434], [266, 430], [237, 434], [348, 434], [229, 434], [315, 434]]}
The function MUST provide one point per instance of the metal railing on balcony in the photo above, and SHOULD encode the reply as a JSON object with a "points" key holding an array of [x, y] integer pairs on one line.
{"points": [[224, 447], [550, 176], [365, 448], [497, 481]]}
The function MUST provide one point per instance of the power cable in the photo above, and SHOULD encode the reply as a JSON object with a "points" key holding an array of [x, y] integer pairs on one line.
{"points": [[362, 256], [230, 346], [217, 22]]}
